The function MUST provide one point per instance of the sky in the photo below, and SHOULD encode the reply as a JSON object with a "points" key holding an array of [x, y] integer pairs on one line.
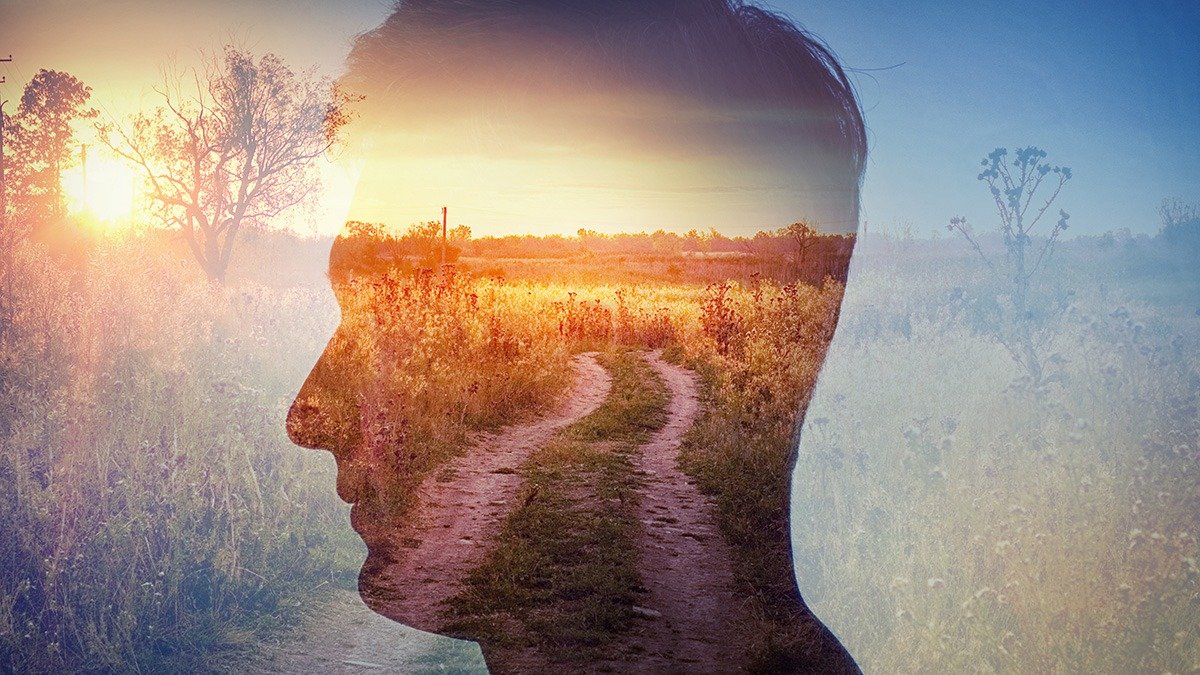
{"points": [[1113, 90]]}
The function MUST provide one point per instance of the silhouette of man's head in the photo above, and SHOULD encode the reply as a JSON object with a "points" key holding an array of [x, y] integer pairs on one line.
{"points": [[538, 116]]}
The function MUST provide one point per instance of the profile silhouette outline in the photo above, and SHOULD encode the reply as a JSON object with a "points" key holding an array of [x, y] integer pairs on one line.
{"points": [[540, 90]]}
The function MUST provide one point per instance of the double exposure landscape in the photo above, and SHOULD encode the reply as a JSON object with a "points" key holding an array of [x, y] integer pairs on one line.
{"points": [[572, 350]]}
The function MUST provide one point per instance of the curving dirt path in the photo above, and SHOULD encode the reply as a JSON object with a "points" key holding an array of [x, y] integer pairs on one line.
{"points": [[461, 508], [692, 620]]}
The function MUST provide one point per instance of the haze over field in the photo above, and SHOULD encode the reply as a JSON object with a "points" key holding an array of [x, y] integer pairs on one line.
{"points": [[572, 424]]}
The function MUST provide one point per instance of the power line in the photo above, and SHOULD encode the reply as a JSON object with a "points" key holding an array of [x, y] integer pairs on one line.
{"points": [[6, 241]]}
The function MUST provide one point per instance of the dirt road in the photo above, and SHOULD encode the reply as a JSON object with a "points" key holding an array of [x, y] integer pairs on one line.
{"points": [[462, 507], [692, 619], [688, 620]]}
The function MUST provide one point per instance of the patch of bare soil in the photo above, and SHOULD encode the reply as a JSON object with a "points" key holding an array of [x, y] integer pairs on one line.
{"points": [[692, 620], [461, 508]]}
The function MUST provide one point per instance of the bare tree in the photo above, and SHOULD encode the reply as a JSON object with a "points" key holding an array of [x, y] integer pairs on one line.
{"points": [[801, 237], [234, 144], [1180, 223]]}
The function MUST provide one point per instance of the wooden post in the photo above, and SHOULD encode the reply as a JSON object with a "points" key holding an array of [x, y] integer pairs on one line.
{"points": [[443, 236], [3, 194], [83, 162]]}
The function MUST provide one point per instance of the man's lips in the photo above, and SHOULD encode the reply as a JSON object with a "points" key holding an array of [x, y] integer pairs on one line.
{"points": [[371, 527], [348, 489], [351, 479]]}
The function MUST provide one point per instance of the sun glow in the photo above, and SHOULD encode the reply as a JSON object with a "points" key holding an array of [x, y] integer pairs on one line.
{"points": [[104, 189]]}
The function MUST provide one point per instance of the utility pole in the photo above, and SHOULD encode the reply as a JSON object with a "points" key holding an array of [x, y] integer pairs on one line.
{"points": [[5, 243], [83, 163], [443, 236]]}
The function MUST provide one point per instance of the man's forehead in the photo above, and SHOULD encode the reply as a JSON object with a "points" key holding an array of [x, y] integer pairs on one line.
{"points": [[541, 177], [644, 116]]}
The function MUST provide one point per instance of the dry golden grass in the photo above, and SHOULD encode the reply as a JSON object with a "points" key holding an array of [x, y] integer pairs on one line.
{"points": [[155, 513]]}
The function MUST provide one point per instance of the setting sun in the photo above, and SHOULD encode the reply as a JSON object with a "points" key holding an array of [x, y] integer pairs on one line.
{"points": [[105, 190]]}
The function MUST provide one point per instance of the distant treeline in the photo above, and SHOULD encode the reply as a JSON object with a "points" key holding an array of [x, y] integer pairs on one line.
{"points": [[784, 241], [795, 252]]}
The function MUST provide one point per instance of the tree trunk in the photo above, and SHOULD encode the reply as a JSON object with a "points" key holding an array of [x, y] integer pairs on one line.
{"points": [[212, 263]]}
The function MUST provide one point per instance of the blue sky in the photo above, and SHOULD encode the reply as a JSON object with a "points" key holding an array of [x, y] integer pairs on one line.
{"points": [[1110, 89]]}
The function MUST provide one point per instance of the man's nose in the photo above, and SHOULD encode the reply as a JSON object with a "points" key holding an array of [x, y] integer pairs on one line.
{"points": [[323, 416], [303, 422]]}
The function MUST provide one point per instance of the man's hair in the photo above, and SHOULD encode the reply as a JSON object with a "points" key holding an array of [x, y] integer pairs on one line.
{"points": [[711, 52]]}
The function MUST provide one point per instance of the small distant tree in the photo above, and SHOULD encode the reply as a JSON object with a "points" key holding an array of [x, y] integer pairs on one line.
{"points": [[801, 236], [1180, 223], [1023, 190], [460, 235], [424, 240], [234, 144]]}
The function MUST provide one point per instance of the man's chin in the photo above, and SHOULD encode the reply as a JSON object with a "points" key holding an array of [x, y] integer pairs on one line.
{"points": [[381, 592], [370, 527]]}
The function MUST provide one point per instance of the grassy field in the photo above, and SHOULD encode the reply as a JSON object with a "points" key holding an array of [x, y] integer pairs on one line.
{"points": [[948, 513], [157, 515], [153, 508], [952, 515]]}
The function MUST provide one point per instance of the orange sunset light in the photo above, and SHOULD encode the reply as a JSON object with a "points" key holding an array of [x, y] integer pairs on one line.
{"points": [[106, 189]]}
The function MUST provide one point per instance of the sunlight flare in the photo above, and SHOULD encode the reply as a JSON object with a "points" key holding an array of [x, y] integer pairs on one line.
{"points": [[105, 190]]}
